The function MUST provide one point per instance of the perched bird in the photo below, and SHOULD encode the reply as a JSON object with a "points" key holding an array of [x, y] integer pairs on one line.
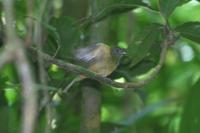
{"points": [[99, 58]]}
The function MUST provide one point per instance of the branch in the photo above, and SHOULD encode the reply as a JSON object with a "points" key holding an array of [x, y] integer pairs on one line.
{"points": [[83, 71], [42, 73], [29, 107]]}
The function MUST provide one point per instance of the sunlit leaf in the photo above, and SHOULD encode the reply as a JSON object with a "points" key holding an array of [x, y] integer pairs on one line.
{"points": [[147, 15], [11, 95], [182, 14], [59, 74], [190, 30]]}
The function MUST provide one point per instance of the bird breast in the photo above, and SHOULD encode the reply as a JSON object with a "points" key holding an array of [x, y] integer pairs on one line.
{"points": [[105, 66]]}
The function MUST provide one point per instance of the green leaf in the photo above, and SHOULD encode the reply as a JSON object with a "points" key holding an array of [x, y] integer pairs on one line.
{"points": [[11, 95], [143, 42], [168, 6], [140, 115], [3, 80], [191, 117], [64, 33], [9, 72], [190, 30], [20, 6], [142, 67], [183, 14], [146, 15], [113, 7]]}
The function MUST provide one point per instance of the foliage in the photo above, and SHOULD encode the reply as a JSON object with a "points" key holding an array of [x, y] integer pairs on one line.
{"points": [[169, 104]]}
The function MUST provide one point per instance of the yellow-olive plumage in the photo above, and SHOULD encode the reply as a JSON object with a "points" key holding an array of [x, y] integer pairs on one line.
{"points": [[99, 58]]}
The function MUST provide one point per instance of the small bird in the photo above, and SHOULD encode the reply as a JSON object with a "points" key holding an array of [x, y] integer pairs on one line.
{"points": [[99, 58]]}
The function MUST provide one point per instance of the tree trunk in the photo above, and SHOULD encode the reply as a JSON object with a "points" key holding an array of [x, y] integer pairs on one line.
{"points": [[91, 114]]}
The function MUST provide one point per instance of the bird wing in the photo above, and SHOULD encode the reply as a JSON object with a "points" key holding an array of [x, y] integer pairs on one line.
{"points": [[90, 54]]}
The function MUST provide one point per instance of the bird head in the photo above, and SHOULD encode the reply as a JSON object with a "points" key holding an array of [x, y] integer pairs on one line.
{"points": [[117, 53]]}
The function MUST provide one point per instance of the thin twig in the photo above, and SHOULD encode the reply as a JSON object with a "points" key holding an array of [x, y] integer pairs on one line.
{"points": [[42, 73], [82, 71]]}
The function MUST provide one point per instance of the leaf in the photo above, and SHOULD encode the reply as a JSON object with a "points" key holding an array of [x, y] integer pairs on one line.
{"points": [[53, 45], [168, 6], [190, 30], [8, 73], [3, 80], [20, 6], [142, 67], [135, 117], [113, 7], [64, 33], [191, 117], [11, 96], [143, 42]]}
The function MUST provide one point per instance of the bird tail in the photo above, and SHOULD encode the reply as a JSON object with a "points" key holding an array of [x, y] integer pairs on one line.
{"points": [[71, 83]]}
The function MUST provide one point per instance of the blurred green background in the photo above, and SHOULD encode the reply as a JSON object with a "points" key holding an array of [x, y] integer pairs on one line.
{"points": [[168, 104]]}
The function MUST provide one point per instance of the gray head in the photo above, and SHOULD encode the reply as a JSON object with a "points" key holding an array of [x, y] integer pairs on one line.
{"points": [[117, 53]]}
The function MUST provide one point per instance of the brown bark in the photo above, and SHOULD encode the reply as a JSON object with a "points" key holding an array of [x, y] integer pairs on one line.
{"points": [[90, 110], [92, 96]]}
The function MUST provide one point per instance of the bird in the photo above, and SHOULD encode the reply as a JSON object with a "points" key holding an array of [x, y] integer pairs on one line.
{"points": [[98, 58]]}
